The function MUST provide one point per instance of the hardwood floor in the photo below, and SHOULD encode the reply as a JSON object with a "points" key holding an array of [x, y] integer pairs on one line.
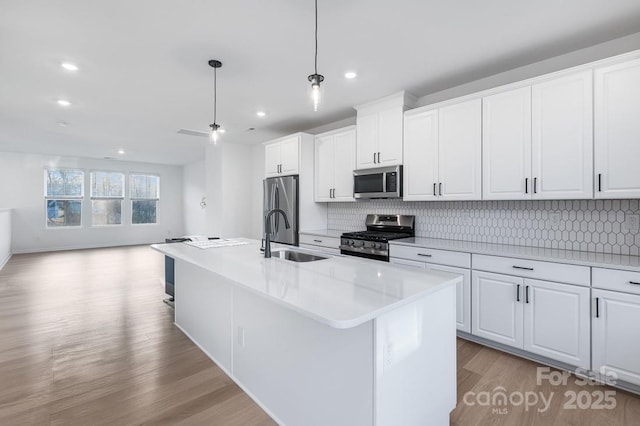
{"points": [[85, 339]]}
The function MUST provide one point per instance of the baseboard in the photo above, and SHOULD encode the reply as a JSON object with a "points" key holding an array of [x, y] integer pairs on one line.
{"points": [[83, 247], [620, 384], [4, 262]]}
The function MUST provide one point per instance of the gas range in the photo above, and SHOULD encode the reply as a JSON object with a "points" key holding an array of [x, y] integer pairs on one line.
{"points": [[373, 243]]}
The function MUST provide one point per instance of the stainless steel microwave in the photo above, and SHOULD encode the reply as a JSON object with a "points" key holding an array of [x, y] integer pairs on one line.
{"points": [[380, 182]]}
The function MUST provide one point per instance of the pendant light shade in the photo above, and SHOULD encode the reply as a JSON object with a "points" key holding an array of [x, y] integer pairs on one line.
{"points": [[215, 131], [316, 79]]}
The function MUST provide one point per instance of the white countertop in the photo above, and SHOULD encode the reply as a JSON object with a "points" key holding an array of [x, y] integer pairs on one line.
{"points": [[601, 260], [341, 292], [334, 233]]}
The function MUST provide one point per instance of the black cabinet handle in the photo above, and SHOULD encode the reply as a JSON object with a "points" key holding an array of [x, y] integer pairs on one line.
{"points": [[597, 307], [424, 255], [523, 268], [634, 283], [374, 157], [378, 157], [440, 190], [526, 185], [434, 189], [535, 185], [318, 241], [599, 182], [526, 294], [518, 293]]}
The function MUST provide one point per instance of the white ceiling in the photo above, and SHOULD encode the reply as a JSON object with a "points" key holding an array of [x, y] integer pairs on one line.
{"points": [[144, 74]]}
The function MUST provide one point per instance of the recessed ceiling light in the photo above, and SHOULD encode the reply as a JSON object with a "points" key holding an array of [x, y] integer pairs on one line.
{"points": [[121, 151], [69, 66], [63, 102], [350, 75], [261, 113]]}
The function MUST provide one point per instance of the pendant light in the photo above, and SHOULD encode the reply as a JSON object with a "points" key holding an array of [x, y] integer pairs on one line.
{"points": [[215, 127], [315, 78]]}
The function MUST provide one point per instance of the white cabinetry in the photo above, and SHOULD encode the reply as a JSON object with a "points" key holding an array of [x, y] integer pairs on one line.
{"points": [[562, 137], [443, 153], [542, 317], [325, 243], [379, 131], [538, 141], [335, 154], [617, 130], [282, 157], [616, 314], [506, 145], [446, 261]]}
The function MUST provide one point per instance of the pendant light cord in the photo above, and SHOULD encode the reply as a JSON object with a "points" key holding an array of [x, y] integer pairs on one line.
{"points": [[316, 58], [215, 93]]}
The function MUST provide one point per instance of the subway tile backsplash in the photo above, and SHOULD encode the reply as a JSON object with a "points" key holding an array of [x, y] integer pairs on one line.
{"points": [[601, 226]]}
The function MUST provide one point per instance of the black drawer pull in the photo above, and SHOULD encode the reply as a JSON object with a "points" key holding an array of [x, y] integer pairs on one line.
{"points": [[526, 185], [522, 267], [518, 293], [597, 307], [634, 282], [526, 294], [318, 241], [424, 255], [434, 190]]}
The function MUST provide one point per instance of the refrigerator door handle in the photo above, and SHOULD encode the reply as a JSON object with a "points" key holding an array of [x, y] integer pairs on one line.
{"points": [[277, 206]]}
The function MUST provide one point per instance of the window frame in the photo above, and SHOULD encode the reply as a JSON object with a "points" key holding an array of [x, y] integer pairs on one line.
{"points": [[48, 197], [132, 198], [98, 198]]}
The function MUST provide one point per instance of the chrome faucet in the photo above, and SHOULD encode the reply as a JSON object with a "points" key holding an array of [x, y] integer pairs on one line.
{"points": [[267, 229]]}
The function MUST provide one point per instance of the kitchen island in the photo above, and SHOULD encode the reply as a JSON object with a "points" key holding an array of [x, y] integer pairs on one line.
{"points": [[339, 341]]}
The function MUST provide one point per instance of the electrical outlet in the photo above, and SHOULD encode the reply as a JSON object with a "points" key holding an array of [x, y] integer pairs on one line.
{"points": [[632, 222], [554, 219]]}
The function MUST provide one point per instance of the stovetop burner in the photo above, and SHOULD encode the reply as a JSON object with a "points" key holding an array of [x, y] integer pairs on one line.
{"points": [[375, 235], [373, 243]]}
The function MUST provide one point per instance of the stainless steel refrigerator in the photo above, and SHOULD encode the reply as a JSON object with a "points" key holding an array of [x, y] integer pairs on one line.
{"points": [[282, 193]]}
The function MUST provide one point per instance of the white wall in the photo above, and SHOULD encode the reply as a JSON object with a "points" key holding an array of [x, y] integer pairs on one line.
{"points": [[5, 236], [228, 189], [21, 186], [194, 189], [257, 168], [579, 57]]}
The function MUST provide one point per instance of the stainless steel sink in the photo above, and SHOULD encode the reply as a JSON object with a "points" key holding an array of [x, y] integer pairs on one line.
{"points": [[296, 256]]}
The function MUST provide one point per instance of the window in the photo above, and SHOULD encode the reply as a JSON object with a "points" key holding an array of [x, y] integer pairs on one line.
{"points": [[63, 191], [145, 193], [107, 194]]}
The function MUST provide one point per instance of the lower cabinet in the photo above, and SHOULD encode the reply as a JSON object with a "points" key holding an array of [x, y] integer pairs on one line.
{"points": [[542, 317], [463, 289], [616, 344], [330, 245]]}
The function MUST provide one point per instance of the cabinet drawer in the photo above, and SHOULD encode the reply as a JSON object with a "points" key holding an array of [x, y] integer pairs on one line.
{"points": [[549, 271], [440, 257], [612, 279], [314, 240], [328, 250]]}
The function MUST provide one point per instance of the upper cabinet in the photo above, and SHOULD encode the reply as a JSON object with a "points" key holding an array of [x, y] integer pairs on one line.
{"points": [[379, 131], [538, 141], [282, 157], [617, 130], [335, 160], [506, 145], [562, 137], [442, 158]]}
